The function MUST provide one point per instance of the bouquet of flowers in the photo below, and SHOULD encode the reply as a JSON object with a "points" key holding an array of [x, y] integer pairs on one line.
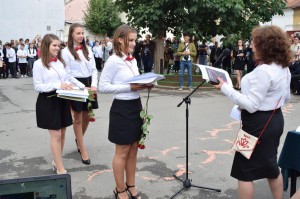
{"points": [[146, 122], [92, 96]]}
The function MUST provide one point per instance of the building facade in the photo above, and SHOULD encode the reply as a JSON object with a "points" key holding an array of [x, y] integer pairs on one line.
{"points": [[28, 18]]}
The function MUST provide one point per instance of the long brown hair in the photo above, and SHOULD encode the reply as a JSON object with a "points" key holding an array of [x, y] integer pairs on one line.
{"points": [[122, 32], [45, 53], [271, 45], [71, 43]]}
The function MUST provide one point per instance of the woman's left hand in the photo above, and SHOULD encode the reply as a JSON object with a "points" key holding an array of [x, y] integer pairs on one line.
{"points": [[221, 82], [93, 88]]}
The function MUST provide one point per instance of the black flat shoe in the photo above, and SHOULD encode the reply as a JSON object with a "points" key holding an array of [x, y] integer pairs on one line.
{"points": [[77, 146], [87, 162]]}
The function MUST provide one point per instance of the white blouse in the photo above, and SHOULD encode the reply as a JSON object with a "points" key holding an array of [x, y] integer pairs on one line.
{"points": [[83, 68], [46, 80], [262, 88], [115, 73]]}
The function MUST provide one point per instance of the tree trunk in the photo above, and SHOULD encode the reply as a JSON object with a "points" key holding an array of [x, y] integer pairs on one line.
{"points": [[159, 53]]}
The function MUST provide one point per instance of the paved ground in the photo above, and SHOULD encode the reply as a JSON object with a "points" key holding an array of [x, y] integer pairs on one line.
{"points": [[25, 151]]}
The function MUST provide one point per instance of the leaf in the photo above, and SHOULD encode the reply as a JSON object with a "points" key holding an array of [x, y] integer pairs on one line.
{"points": [[142, 113]]}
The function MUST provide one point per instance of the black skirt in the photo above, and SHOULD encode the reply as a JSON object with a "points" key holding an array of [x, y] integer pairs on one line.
{"points": [[82, 106], [52, 112], [125, 122], [263, 162], [239, 64]]}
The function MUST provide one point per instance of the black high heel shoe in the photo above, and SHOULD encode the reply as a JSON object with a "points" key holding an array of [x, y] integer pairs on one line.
{"points": [[77, 146], [137, 196], [87, 162], [116, 192]]}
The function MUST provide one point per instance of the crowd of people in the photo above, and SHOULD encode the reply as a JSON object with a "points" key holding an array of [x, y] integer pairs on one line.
{"points": [[56, 65]]}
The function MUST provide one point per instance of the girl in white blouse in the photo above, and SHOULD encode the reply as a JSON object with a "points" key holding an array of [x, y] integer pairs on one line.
{"points": [[80, 63], [124, 119], [267, 85], [53, 113]]}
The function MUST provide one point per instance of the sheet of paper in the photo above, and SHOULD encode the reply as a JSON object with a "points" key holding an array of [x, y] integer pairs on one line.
{"points": [[74, 93], [211, 74], [235, 113], [146, 78]]}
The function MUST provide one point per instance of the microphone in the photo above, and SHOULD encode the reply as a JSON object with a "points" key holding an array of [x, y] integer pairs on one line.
{"points": [[224, 54]]}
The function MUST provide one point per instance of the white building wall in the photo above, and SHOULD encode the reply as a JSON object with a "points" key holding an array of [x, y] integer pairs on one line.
{"points": [[285, 22], [28, 18]]}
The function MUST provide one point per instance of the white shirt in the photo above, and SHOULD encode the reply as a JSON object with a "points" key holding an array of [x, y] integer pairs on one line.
{"points": [[11, 55], [115, 73], [22, 53], [31, 52], [98, 52], [83, 68], [262, 88], [188, 50], [46, 80]]}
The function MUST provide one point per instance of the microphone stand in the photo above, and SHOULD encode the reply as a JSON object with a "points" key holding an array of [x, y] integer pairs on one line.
{"points": [[186, 183]]}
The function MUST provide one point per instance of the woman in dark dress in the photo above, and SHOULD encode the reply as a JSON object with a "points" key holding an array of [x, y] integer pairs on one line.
{"points": [[239, 63], [264, 91]]}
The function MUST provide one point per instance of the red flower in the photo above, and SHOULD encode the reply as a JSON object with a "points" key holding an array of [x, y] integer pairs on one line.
{"points": [[141, 146], [92, 119]]}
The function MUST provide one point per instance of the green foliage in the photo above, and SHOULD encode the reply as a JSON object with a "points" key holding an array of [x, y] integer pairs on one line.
{"points": [[102, 17], [204, 18]]}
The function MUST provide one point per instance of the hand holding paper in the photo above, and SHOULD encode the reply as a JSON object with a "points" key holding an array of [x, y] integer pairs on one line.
{"points": [[215, 76]]}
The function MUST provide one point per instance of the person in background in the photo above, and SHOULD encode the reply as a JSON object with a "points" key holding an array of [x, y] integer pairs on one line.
{"points": [[239, 63], [148, 53], [5, 60], [202, 53], [22, 55], [53, 113], [98, 54], [80, 63], [31, 53], [38, 49], [249, 59], [11, 55], [124, 120], [107, 47], [1, 63], [295, 48], [187, 52], [264, 91]]}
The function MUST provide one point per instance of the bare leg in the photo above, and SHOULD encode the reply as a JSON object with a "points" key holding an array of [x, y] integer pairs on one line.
{"points": [[85, 121], [56, 149], [131, 167], [276, 186], [77, 125], [245, 190], [238, 79], [63, 136], [119, 161]]}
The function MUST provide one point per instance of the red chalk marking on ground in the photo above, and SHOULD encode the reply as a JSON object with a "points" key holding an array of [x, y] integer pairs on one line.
{"points": [[97, 173], [165, 152], [212, 155], [215, 132]]}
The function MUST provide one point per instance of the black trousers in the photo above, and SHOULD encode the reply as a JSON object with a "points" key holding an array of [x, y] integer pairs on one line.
{"points": [[98, 63], [12, 68], [23, 68], [295, 82]]}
